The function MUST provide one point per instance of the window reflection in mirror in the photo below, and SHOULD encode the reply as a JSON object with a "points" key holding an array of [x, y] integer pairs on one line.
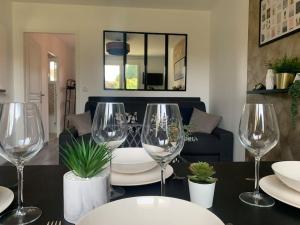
{"points": [[134, 70], [145, 61], [114, 58], [155, 78], [177, 62]]}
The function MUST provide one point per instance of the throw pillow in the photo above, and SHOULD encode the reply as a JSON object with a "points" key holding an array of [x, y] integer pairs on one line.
{"points": [[203, 122], [82, 122]]}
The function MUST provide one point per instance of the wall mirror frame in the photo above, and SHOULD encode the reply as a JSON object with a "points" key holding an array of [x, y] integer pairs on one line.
{"points": [[144, 61]]}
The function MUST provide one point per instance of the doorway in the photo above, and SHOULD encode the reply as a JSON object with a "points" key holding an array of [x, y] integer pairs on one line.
{"points": [[49, 63], [52, 96]]}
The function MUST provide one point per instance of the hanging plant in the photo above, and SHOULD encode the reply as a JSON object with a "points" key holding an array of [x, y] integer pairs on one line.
{"points": [[294, 92]]}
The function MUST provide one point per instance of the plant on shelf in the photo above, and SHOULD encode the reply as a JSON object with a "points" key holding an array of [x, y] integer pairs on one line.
{"points": [[86, 185], [286, 65], [85, 159], [202, 183], [294, 92], [202, 172], [285, 69]]}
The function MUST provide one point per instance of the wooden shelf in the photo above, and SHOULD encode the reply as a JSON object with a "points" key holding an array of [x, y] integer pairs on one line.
{"points": [[268, 92]]}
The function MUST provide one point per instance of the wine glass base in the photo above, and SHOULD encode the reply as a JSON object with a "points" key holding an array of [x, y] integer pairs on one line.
{"points": [[25, 216], [257, 199], [116, 192]]}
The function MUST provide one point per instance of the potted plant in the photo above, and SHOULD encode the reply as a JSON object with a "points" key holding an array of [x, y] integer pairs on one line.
{"points": [[202, 184], [285, 69], [294, 92], [86, 185]]}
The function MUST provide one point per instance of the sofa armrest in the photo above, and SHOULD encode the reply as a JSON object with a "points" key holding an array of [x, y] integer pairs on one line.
{"points": [[217, 146], [221, 133], [227, 141]]}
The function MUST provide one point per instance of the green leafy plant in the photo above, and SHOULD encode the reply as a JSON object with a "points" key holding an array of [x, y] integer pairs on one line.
{"points": [[202, 173], [286, 65], [85, 159], [294, 92]]}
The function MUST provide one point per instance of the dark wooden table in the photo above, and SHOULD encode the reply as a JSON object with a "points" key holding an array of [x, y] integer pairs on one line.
{"points": [[43, 188]]}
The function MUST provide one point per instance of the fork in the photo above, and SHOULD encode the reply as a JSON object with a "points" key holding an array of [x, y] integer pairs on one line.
{"points": [[54, 222]]}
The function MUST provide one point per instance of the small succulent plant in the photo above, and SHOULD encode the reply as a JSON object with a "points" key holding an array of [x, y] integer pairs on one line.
{"points": [[202, 173], [85, 159]]}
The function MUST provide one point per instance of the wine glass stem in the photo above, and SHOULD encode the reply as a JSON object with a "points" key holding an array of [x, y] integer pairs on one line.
{"points": [[163, 180], [20, 187], [109, 177], [256, 185]]}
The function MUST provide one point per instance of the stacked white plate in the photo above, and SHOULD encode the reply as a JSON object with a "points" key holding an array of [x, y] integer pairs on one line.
{"points": [[285, 184], [150, 210], [133, 166]]}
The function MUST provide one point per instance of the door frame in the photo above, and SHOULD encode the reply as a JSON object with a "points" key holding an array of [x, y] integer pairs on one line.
{"points": [[19, 69], [58, 95]]}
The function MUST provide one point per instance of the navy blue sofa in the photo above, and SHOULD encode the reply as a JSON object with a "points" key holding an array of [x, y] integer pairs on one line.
{"points": [[214, 147]]}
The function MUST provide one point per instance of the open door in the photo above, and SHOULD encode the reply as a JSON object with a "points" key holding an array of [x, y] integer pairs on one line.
{"points": [[33, 76]]}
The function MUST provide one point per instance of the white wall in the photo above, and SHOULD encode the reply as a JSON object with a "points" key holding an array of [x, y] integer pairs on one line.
{"points": [[5, 49], [228, 78], [88, 23]]}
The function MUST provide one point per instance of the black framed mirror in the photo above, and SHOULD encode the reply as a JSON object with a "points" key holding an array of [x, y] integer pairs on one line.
{"points": [[144, 61]]}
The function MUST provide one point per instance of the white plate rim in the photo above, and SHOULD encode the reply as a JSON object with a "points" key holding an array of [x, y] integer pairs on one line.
{"points": [[283, 175], [135, 163], [168, 173], [155, 197], [4, 205], [267, 190]]}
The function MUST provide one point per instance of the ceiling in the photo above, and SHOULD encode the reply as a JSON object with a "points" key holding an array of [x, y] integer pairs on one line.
{"points": [[156, 4]]}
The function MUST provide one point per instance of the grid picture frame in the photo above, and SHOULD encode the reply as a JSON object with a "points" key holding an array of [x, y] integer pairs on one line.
{"points": [[278, 19]]}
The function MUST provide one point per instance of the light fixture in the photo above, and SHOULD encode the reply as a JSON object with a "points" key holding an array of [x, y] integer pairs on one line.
{"points": [[117, 48]]}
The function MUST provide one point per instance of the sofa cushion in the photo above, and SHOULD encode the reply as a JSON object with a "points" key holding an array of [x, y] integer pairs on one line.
{"points": [[186, 113], [82, 122], [203, 122]]}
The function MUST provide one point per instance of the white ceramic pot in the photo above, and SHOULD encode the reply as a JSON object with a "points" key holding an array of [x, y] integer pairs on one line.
{"points": [[202, 194], [297, 77], [81, 195], [270, 79]]}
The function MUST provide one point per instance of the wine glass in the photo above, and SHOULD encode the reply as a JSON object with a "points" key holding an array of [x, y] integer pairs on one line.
{"points": [[163, 135], [109, 127], [21, 138], [259, 133]]}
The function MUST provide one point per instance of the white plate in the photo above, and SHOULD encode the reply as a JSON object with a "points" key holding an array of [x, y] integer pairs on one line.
{"points": [[150, 211], [148, 177], [6, 197], [288, 173], [132, 160], [278, 190]]}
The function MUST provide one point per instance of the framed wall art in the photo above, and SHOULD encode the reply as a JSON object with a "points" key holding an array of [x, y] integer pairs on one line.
{"points": [[278, 19], [179, 69]]}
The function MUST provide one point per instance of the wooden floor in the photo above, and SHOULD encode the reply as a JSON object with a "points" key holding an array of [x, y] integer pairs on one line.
{"points": [[49, 155]]}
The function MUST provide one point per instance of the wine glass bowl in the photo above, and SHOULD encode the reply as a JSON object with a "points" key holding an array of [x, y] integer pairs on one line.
{"points": [[21, 138], [259, 134], [110, 128], [162, 134]]}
